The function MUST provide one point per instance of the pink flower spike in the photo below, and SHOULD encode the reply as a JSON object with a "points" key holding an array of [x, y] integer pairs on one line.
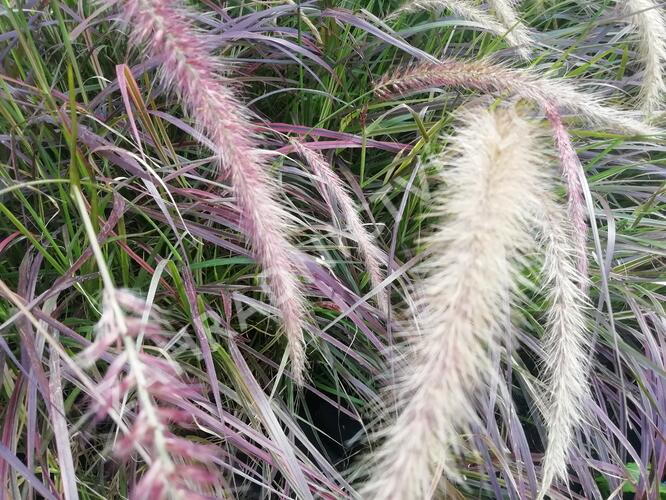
{"points": [[574, 176], [335, 191], [193, 74]]}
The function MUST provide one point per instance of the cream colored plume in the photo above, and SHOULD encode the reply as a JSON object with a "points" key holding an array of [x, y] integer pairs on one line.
{"points": [[493, 186]]}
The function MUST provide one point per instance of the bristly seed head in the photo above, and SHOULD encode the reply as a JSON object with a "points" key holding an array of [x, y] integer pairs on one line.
{"points": [[493, 185], [193, 73]]}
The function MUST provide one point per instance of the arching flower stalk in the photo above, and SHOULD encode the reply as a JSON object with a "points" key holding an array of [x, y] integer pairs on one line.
{"points": [[553, 95], [487, 77], [649, 23], [566, 346], [493, 187], [194, 75], [574, 177], [175, 465], [333, 188], [518, 34], [504, 24]]}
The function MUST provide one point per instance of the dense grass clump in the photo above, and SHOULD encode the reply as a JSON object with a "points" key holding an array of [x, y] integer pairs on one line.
{"points": [[332, 250]]}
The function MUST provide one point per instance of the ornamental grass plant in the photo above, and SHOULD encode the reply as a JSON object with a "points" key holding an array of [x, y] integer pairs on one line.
{"points": [[332, 249]]}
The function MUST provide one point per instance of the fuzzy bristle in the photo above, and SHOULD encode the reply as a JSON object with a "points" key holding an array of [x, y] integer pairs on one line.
{"points": [[649, 23], [492, 187], [574, 176], [566, 345], [194, 74], [332, 185], [488, 77], [505, 23], [518, 34]]}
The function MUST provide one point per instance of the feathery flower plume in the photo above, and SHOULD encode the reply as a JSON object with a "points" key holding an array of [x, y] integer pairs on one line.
{"points": [[566, 345], [487, 77], [648, 21], [174, 469], [573, 174], [334, 189], [493, 188], [518, 34], [124, 319], [515, 32], [462, 8], [194, 74]]}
